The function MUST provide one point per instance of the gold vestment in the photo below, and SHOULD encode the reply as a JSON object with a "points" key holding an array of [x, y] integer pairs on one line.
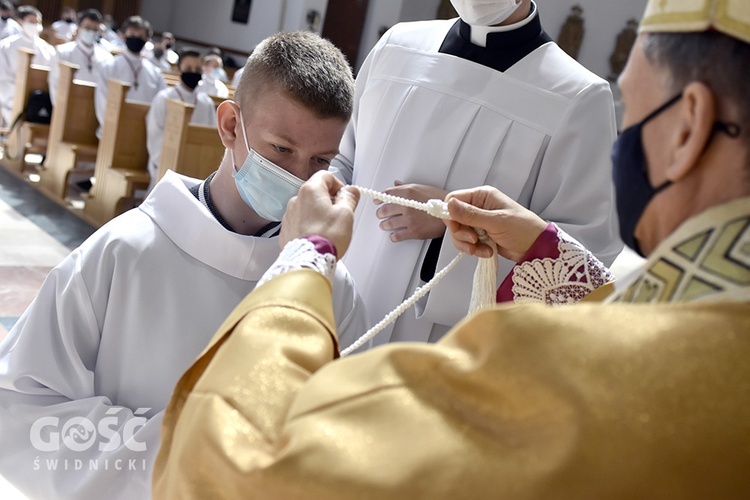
{"points": [[593, 400]]}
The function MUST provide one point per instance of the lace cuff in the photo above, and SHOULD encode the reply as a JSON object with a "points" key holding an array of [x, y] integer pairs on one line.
{"points": [[556, 270], [301, 254]]}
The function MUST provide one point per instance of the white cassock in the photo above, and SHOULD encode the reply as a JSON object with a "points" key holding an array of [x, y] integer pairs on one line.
{"points": [[168, 59], [64, 30], [541, 132], [212, 86], [144, 78], [162, 63], [203, 114], [113, 328], [89, 60], [113, 38], [9, 27], [9, 46]]}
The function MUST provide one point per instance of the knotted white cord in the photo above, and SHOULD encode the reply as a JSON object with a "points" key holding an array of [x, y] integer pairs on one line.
{"points": [[436, 208], [483, 293]]}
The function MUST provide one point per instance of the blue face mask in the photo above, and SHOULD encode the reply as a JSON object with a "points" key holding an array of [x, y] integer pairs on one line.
{"points": [[264, 186], [633, 190]]}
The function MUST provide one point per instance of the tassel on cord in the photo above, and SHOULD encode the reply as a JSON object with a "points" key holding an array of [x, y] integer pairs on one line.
{"points": [[485, 276], [484, 289]]}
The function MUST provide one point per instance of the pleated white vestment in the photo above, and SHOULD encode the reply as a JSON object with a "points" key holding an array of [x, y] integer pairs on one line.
{"points": [[541, 132]]}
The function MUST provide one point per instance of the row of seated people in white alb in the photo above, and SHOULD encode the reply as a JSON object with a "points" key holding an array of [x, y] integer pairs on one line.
{"points": [[145, 77], [96, 64], [198, 78], [30, 20]]}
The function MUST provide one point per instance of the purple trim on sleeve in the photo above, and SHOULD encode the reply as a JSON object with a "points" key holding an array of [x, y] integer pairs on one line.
{"points": [[545, 246], [322, 245]]}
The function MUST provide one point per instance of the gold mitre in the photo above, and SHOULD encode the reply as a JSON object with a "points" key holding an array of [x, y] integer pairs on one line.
{"points": [[731, 17]]}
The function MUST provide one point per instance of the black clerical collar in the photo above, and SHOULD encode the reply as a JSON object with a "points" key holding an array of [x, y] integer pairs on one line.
{"points": [[202, 192], [504, 48]]}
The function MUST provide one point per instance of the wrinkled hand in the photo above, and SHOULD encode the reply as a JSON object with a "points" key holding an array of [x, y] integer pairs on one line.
{"points": [[324, 206], [512, 227], [408, 223]]}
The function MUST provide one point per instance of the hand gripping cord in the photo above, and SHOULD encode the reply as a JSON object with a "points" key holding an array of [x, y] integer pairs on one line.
{"points": [[485, 276]]}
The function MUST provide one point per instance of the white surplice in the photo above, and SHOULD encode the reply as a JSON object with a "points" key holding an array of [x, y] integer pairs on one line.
{"points": [[9, 46], [89, 60], [212, 87], [541, 132], [113, 328], [9, 27], [204, 113], [129, 68], [64, 30]]}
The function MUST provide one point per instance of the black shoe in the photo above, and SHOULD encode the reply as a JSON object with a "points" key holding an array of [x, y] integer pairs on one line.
{"points": [[84, 185]]}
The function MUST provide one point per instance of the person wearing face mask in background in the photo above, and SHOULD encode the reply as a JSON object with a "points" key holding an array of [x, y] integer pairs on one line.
{"points": [[110, 38], [619, 401], [211, 83], [8, 25], [161, 54], [154, 52], [85, 52], [441, 105], [145, 79], [65, 27], [137, 302], [204, 113], [221, 74], [31, 22]]}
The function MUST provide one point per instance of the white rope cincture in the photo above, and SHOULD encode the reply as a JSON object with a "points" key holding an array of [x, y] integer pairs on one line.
{"points": [[485, 276], [391, 316], [436, 208]]}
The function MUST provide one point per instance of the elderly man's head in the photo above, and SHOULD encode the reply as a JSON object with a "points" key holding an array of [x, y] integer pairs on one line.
{"points": [[685, 145]]}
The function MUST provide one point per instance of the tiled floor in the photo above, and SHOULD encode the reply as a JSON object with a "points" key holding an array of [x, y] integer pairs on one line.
{"points": [[35, 235]]}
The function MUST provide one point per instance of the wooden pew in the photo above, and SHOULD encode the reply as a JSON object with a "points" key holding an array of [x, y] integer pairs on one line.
{"points": [[188, 149], [122, 158], [171, 79], [72, 135], [27, 137], [50, 36]]}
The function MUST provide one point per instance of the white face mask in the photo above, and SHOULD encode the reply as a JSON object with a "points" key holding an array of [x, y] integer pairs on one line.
{"points": [[485, 12], [88, 36], [32, 29]]}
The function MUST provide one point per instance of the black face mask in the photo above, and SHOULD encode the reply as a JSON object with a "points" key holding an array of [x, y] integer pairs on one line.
{"points": [[190, 79], [633, 190], [158, 53], [135, 44], [69, 21], [4, 18], [168, 46]]}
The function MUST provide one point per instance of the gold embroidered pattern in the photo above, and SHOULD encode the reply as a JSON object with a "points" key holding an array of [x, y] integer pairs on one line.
{"points": [[695, 264]]}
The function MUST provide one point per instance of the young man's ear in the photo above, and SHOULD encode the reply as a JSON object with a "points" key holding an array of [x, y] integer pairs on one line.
{"points": [[226, 118], [694, 130]]}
